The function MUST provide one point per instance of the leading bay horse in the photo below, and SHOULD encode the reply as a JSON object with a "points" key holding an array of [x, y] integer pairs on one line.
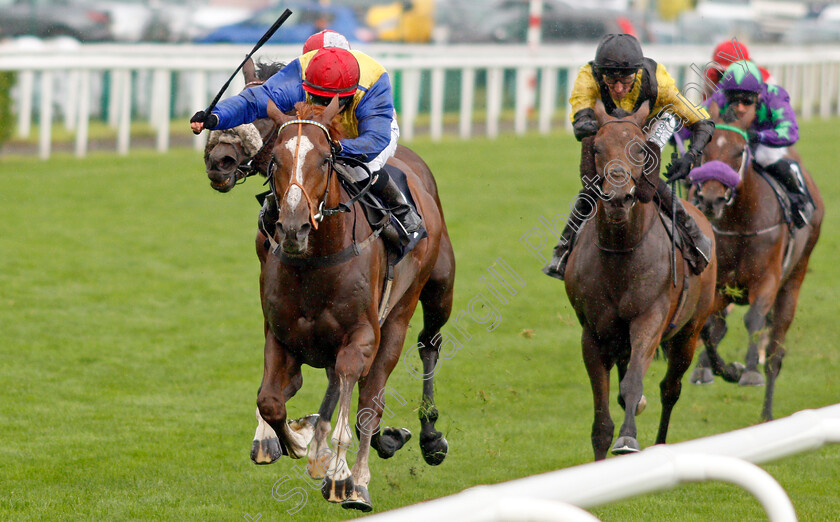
{"points": [[322, 292], [761, 261], [620, 283]]}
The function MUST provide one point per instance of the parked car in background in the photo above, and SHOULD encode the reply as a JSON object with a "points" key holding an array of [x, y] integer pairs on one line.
{"points": [[52, 18], [506, 21], [130, 19], [306, 19]]}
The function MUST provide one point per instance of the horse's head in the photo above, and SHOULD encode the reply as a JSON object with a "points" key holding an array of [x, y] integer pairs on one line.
{"points": [[725, 161], [232, 154], [624, 164], [302, 180]]}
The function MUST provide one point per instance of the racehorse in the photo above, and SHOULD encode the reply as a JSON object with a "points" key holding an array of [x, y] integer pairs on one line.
{"points": [[322, 300], [761, 261], [621, 285], [231, 155]]}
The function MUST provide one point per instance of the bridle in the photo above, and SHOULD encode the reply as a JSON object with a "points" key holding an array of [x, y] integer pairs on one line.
{"points": [[316, 217], [745, 160], [632, 191]]}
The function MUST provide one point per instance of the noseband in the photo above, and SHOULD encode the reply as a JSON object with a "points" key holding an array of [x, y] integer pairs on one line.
{"points": [[632, 191], [745, 160]]}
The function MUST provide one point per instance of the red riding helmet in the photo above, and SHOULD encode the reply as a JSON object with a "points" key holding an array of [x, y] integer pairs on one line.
{"points": [[326, 38], [332, 71]]}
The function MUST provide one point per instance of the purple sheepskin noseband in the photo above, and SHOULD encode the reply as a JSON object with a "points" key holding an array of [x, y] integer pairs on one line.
{"points": [[716, 170]]}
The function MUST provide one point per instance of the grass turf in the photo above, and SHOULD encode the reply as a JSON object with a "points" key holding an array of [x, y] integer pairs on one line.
{"points": [[131, 351]]}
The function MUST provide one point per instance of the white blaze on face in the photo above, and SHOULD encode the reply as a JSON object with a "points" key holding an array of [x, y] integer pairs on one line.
{"points": [[720, 141], [294, 194]]}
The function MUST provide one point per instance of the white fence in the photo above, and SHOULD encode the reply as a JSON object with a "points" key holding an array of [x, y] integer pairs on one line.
{"points": [[560, 495], [482, 88]]}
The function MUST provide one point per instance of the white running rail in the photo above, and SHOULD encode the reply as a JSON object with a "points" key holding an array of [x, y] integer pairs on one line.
{"points": [[559, 495]]}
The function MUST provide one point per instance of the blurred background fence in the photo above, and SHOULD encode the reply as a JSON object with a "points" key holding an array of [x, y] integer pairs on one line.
{"points": [[459, 90]]}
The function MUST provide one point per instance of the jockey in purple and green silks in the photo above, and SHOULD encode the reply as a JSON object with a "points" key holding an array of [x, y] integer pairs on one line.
{"points": [[773, 130]]}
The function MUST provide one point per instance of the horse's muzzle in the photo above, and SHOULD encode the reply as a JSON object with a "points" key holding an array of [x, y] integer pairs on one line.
{"points": [[293, 240]]}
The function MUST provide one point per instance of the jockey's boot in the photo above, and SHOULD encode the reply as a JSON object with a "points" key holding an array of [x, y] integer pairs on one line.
{"points": [[269, 214], [698, 247], [385, 189], [787, 172], [556, 268]]}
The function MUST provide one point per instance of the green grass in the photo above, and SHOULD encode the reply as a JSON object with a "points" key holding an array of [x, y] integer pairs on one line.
{"points": [[131, 351]]}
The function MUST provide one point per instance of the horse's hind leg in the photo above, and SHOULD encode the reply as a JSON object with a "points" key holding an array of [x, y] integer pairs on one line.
{"points": [[437, 305], [783, 312], [680, 353], [598, 367], [318, 453]]}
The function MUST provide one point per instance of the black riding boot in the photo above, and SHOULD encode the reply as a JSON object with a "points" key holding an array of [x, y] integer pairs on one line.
{"points": [[787, 172], [698, 247], [557, 266], [385, 189]]}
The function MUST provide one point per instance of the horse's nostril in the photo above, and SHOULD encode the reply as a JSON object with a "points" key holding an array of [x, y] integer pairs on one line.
{"points": [[227, 163]]}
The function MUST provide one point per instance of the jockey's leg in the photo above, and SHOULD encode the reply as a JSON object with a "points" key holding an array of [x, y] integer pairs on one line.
{"points": [[386, 190], [582, 211], [698, 248], [787, 172]]}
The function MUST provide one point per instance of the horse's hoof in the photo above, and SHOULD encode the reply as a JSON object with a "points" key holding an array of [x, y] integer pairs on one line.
{"points": [[360, 499], [434, 449], [391, 440], [266, 451], [702, 376], [337, 490], [625, 445], [751, 378], [642, 405]]}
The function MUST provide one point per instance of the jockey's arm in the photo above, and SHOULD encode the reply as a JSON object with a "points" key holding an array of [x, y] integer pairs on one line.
{"points": [[284, 88], [374, 114], [689, 115], [785, 130], [584, 96]]}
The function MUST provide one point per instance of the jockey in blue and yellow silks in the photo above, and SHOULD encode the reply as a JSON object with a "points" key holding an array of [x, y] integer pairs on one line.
{"points": [[367, 112], [623, 79]]}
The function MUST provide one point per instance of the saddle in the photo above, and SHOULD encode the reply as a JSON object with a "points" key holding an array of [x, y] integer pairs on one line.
{"points": [[782, 195]]}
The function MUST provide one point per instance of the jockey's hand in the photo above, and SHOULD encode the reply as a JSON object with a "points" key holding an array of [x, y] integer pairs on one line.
{"points": [[201, 121], [680, 168], [753, 136]]}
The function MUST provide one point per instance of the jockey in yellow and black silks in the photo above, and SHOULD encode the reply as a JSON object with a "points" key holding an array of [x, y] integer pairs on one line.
{"points": [[623, 79]]}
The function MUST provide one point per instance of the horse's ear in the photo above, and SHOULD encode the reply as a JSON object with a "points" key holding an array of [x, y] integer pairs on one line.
{"points": [[601, 113], [331, 110], [276, 114], [714, 111], [249, 71], [641, 115], [646, 187]]}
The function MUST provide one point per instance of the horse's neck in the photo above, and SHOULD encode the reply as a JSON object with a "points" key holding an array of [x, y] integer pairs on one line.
{"points": [[631, 234], [747, 193]]}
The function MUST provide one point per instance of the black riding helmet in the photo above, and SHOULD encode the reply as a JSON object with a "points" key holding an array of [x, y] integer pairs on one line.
{"points": [[618, 55]]}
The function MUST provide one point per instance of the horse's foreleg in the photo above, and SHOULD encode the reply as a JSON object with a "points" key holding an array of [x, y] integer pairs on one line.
{"points": [[755, 320], [598, 367], [349, 366], [318, 455], [281, 380], [645, 333], [710, 362]]}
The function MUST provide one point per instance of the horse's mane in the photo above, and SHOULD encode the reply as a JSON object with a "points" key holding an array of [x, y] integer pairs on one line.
{"points": [[308, 111], [620, 113], [266, 70]]}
